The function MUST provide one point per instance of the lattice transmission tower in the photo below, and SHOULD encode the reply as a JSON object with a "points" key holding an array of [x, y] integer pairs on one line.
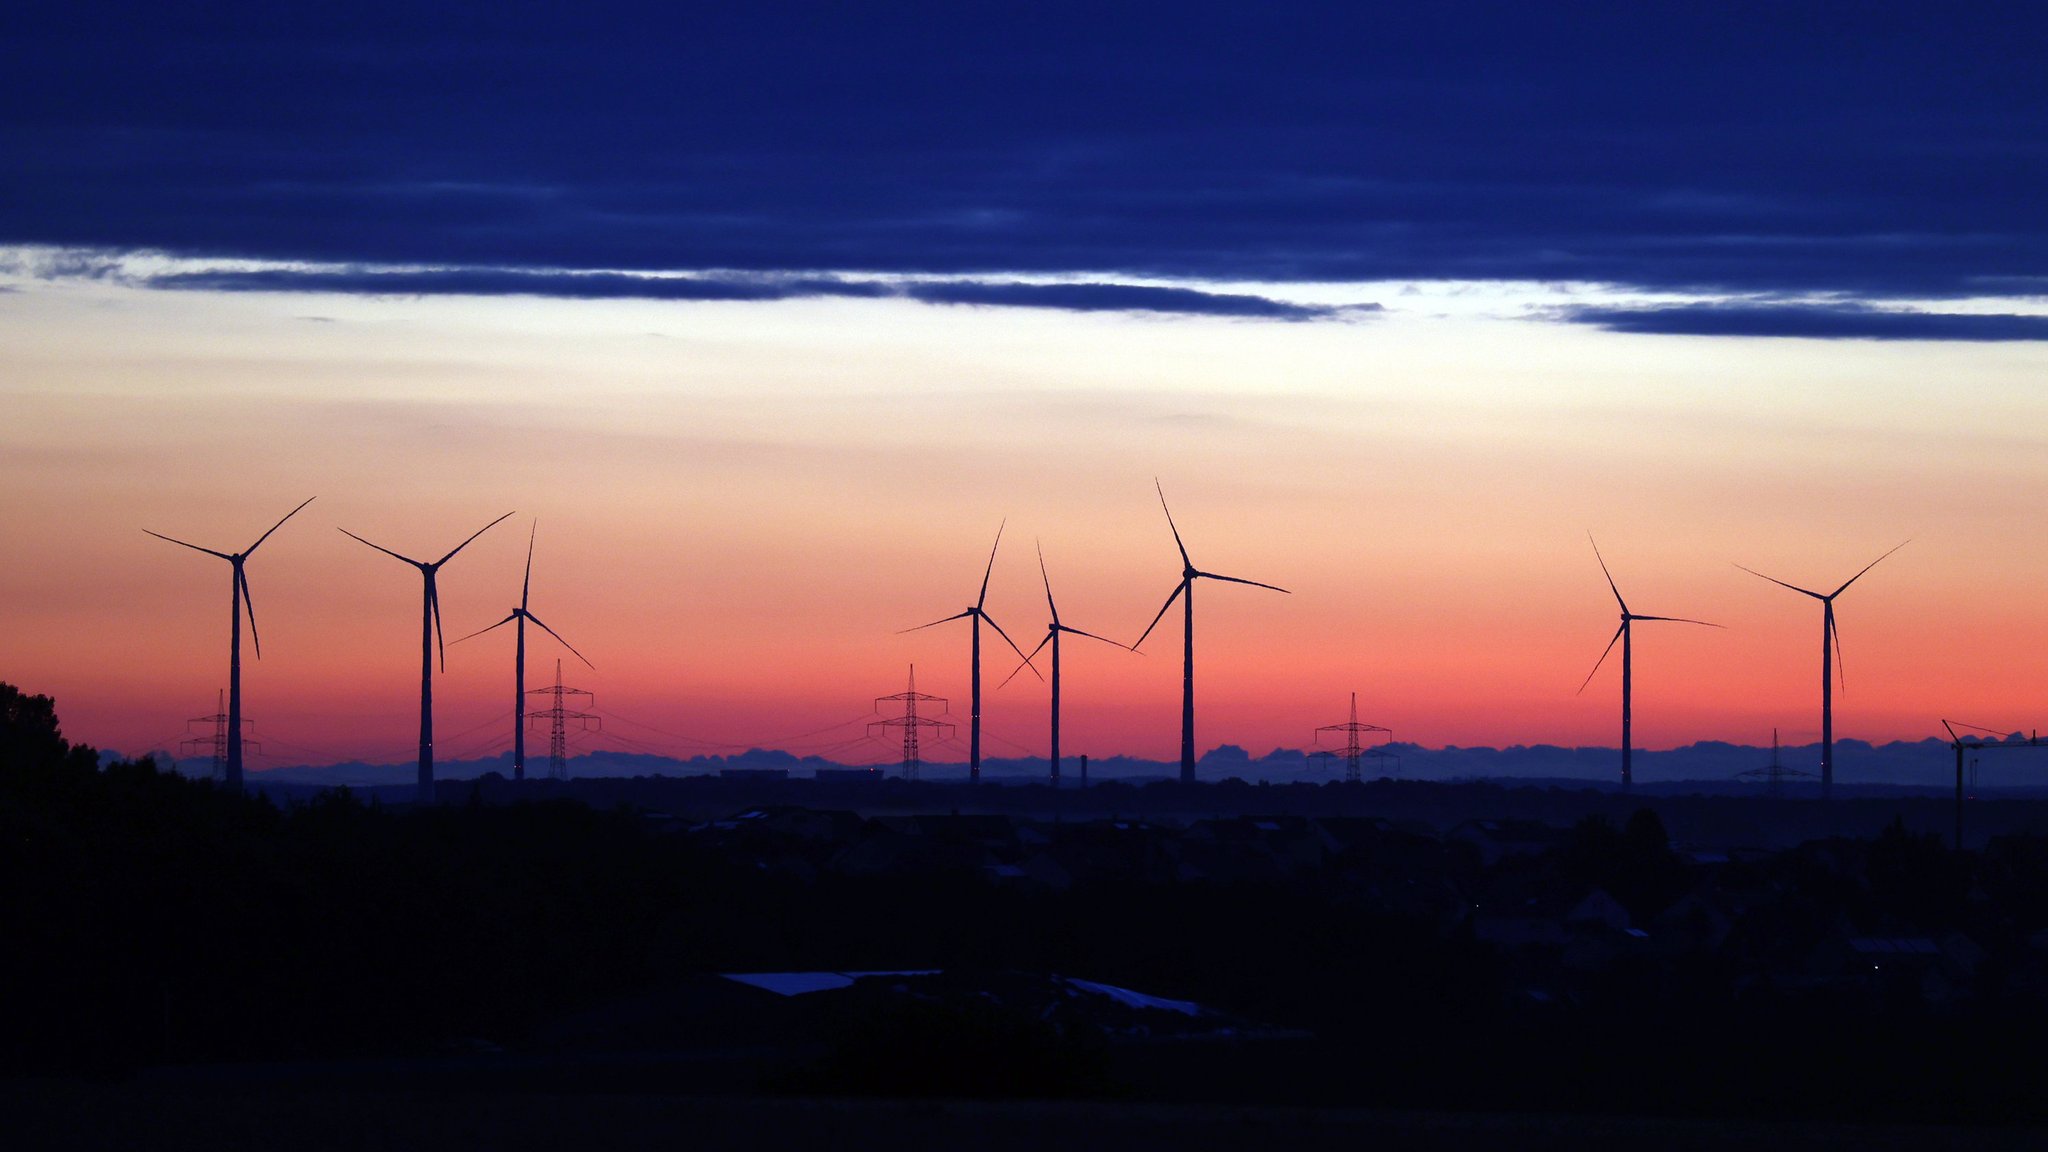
{"points": [[1352, 751], [214, 743], [558, 714], [911, 722], [1775, 774]]}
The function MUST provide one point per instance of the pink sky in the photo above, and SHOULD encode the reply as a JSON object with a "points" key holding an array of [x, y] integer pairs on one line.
{"points": [[740, 504]]}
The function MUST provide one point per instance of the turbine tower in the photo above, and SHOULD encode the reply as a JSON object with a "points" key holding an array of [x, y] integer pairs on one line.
{"points": [[1052, 636], [1830, 652], [239, 603], [1185, 590], [977, 614], [521, 615], [1627, 638], [430, 634]]}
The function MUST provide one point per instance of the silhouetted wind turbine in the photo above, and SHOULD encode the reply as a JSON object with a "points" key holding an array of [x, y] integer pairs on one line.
{"points": [[521, 615], [239, 603], [1052, 636], [430, 635], [976, 614], [1626, 637], [1186, 591], [1830, 651]]}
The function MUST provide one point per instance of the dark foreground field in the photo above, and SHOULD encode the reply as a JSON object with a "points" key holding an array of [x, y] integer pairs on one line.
{"points": [[70, 1116], [190, 967]]}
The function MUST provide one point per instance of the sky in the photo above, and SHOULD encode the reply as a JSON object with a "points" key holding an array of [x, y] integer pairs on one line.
{"points": [[770, 318]]}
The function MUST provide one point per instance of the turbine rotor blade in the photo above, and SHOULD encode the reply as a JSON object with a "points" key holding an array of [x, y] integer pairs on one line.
{"points": [[1052, 607], [527, 585], [936, 623], [276, 526], [1027, 662], [1006, 639], [381, 548], [249, 606], [1185, 562], [983, 598], [565, 643], [434, 601], [1177, 590], [194, 547], [1606, 573], [1093, 636], [1674, 620], [486, 628], [1866, 568], [1616, 639], [1841, 670], [1240, 580], [1782, 584], [472, 536]]}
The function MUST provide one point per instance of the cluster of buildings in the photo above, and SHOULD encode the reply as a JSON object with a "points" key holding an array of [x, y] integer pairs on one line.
{"points": [[1564, 909]]}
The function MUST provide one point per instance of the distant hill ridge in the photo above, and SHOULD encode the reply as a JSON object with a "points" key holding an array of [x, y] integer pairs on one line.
{"points": [[1928, 763]]}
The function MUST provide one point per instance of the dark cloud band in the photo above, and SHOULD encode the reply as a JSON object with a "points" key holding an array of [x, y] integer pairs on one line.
{"points": [[1122, 298], [1085, 297], [513, 282], [1813, 322], [1720, 149]]}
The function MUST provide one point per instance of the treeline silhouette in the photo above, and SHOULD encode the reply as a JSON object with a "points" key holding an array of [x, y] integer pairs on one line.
{"points": [[158, 920], [163, 919]]}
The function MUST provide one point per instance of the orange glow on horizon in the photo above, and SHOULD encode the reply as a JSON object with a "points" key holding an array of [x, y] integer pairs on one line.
{"points": [[739, 506]]}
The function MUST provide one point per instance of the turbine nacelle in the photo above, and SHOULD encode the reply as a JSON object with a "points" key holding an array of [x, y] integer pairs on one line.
{"points": [[1627, 617], [1827, 600], [979, 614], [429, 569], [1053, 629], [236, 560], [1830, 651], [975, 611], [1185, 588], [242, 605]]}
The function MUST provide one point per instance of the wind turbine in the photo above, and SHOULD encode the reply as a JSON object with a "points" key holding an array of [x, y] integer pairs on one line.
{"points": [[1186, 591], [430, 635], [976, 614], [1626, 637], [1052, 636], [1830, 651], [521, 615], [238, 604]]}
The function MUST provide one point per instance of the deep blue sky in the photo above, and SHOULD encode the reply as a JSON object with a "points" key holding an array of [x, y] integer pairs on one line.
{"points": [[1871, 150]]}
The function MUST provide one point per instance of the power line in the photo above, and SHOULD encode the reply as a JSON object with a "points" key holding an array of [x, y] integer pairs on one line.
{"points": [[1025, 749], [764, 742]]}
